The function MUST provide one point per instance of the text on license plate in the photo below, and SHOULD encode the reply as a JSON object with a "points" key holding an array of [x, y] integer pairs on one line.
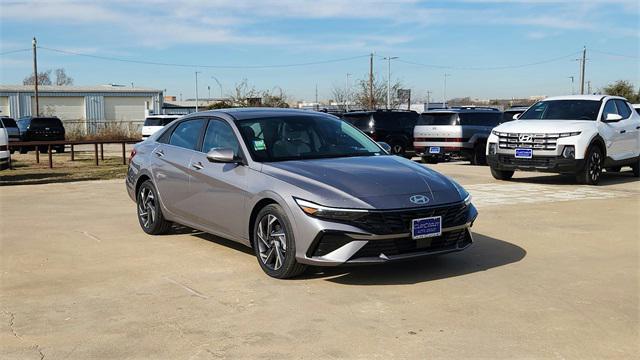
{"points": [[524, 153], [426, 227], [434, 150]]}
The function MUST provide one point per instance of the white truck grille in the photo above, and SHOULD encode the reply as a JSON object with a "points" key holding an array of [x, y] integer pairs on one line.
{"points": [[527, 141]]}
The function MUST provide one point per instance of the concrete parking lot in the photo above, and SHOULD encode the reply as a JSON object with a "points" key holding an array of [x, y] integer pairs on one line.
{"points": [[554, 273]]}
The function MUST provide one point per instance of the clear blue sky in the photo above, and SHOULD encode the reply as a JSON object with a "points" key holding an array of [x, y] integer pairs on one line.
{"points": [[459, 34]]}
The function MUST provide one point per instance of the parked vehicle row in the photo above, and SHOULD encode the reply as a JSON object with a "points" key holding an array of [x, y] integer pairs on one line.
{"points": [[394, 127], [41, 128], [577, 135]]}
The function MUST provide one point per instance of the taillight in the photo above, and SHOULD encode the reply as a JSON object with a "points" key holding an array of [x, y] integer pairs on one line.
{"points": [[133, 153]]}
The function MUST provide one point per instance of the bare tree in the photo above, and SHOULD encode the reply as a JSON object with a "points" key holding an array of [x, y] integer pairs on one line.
{"points": [[361, 93], [246, 95], [275, 98], [339, 95], [62, 79], [44, 78], [242, 93]]}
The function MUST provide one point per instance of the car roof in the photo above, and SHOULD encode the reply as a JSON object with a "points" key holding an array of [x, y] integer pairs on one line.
{"points": [[163, 116], [464, 109], [583, 97], [266, 112]]}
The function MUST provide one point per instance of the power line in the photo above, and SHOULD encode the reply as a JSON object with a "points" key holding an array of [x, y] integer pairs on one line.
{"points": [[14, 51], [144, 62], [492, 67], [614, 55]]}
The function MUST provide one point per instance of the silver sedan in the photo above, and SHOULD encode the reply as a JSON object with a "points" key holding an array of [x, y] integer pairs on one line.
{"points": [[299, 187]]}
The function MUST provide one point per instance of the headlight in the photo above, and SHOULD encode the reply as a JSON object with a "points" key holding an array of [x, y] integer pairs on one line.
{"points": [[567, 134], [326, 212]]}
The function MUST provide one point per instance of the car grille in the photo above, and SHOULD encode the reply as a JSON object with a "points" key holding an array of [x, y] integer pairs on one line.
{"points": [[399, 221], [542, 162], [447, 241], [528, 141]]}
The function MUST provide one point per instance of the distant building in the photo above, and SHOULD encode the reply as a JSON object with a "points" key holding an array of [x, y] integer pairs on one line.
{"points": [[81, 103]]}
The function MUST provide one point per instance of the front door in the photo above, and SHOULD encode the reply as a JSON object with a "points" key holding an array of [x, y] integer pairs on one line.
{"points": [[218, 195]]}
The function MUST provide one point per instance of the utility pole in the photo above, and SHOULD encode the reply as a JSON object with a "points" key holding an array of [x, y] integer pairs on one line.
{"points": [[428, 99], [346, 93], [371, 82], [572, 88], [584, 60], [35, 74], [444, 93], [389, 80], [197, 72]]}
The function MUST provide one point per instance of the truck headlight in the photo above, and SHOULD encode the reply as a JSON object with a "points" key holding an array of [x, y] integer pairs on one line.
{"points": [[493, 148], [569, 152]]}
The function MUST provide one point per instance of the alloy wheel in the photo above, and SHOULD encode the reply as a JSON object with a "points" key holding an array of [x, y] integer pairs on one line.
{"points": [[595, 166], [272, 242], [147, 207]]}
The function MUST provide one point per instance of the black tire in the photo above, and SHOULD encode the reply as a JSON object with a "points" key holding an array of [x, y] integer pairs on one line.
{"points": [[429, 160], [275, 255], [479, 156], [149, 211], [614, 169], [501, 174], [592, 170], [398, 148], [636, 168]]}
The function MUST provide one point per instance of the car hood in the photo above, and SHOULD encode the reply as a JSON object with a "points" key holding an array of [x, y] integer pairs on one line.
{"points": [[380, 182], [545, 126]]}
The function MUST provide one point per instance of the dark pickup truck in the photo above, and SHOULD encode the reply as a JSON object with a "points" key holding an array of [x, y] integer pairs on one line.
{"points": [[41, 129]]}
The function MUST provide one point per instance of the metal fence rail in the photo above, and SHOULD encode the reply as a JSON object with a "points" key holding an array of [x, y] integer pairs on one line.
{"points": [[49, 144]]}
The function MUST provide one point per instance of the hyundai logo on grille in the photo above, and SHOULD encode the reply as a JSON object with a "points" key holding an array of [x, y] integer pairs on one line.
{"points": [[419, 199], [525, 137]]}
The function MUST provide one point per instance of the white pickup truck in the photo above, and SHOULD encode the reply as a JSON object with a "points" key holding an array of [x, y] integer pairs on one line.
{"points": [[580, 135]]}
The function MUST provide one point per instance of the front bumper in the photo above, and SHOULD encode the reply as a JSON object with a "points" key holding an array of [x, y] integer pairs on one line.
{"points": [[337, 247], [555, 164]]}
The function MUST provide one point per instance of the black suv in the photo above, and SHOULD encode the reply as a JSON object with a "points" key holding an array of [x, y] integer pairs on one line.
{"points": [[41, 129], [395, 127], [455, 132]]}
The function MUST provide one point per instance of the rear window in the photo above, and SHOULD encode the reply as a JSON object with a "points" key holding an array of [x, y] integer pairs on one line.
{"points": [[480, 119], [155, 121], [362, 121], [437, 119], [8, 122], [45, 123]]}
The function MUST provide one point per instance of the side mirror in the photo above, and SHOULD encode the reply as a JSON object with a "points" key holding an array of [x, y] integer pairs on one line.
{"points": [[612, 117], [516, 116], [385, 146], [222, 155]]}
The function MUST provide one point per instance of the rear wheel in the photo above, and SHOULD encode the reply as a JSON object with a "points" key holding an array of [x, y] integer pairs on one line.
{"points": [[150, 214], [479, 156], [429, 160], [501, 174], [274, 244], [592, 170], [397, 148]]}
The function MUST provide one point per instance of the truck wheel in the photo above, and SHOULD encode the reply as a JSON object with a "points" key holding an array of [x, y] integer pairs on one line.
{"points": [[429, 160], [397, 148], [501, 174], [592, 170], [479, 156]]}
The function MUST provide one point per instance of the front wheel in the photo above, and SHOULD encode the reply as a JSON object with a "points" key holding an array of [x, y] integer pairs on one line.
{"points": [[398, 148], [150, 214], [274, 244], [479, 156], [501, 174], [592, 170]]}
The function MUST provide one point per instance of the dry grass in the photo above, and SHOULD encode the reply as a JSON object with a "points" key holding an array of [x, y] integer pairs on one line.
{"points": [[105, 131], [27, 171]]}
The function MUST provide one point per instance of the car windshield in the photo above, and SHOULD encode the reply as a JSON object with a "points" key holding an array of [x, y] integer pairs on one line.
{"points": [[304, 137], [45, 123], [157, 121], [437, 119], [563, 110], [8, 122]]}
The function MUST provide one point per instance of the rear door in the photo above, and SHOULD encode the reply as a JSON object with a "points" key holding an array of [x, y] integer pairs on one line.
{"points": [[629, 130], [172, 158], [218, 194], [614, 132]]}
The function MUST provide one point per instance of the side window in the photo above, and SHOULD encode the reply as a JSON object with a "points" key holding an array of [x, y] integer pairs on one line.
{"points": [[609, 108], [220, 135], [623, 108], [187, 134]]}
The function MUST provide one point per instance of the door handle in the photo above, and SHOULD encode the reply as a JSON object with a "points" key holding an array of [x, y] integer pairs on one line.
{"points": [[197, 166], [623, 131], [159, 153]]}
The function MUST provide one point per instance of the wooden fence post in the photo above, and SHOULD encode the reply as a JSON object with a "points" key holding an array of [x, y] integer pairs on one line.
{"points": [[49, 152], [95, 148]]}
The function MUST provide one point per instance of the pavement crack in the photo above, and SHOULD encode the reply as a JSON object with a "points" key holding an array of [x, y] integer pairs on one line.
{"points": [[90, 236], [37, 347], [12, 318], [189, 289]]}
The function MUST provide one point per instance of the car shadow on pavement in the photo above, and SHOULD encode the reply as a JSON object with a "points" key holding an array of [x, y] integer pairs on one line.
{"points": [[486, 253], [612, 178]]}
